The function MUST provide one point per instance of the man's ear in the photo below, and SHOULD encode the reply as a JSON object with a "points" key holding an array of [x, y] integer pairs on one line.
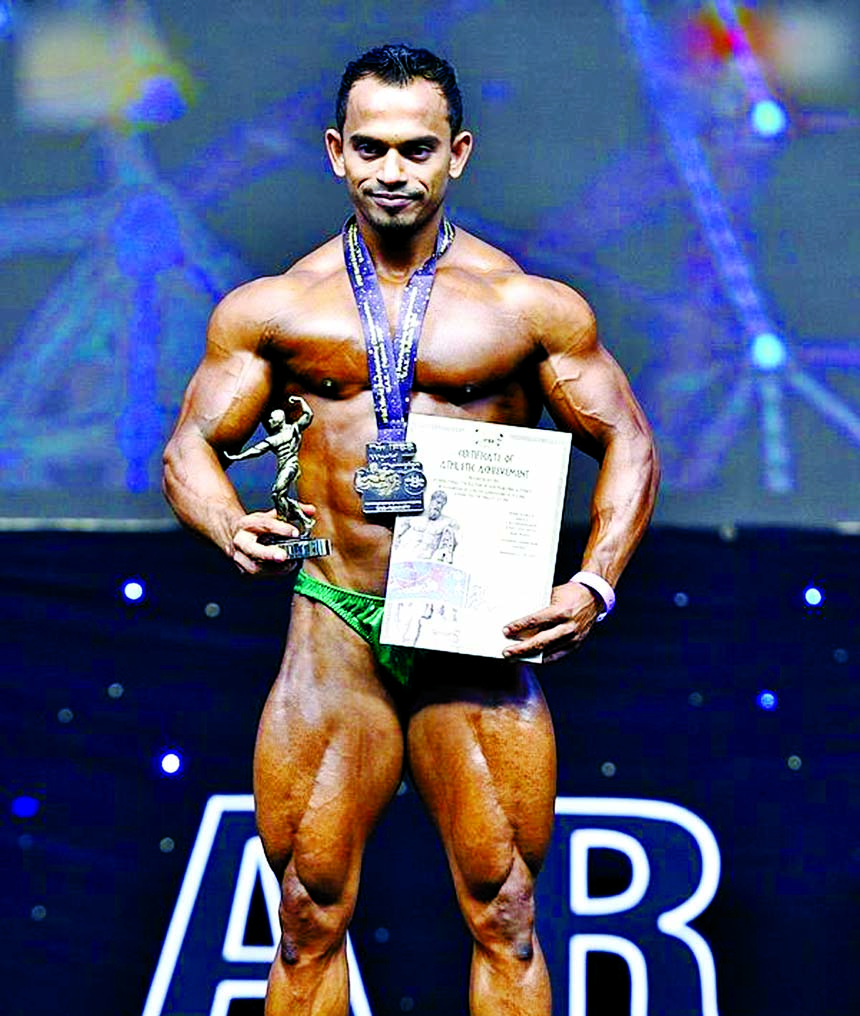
{"points": [[461, 149], [334, 150]]}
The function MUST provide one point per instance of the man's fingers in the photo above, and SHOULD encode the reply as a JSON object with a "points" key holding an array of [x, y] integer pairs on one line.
{"points": [[549, 650], [552, 632], [266, 522], [555, 630], [252, 544], [262, 553], [255, 556], [532, 624], [560, 638], [272, 564], [244, 563]]}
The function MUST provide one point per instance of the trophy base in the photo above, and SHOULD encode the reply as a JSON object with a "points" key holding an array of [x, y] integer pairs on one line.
{"points": [[298, 548]]}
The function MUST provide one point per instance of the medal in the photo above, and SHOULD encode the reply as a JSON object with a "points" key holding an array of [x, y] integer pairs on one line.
{"points": [[391, 482]]}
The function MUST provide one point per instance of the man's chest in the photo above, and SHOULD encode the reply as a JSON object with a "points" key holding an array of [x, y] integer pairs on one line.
{"points": [[467, 341]]}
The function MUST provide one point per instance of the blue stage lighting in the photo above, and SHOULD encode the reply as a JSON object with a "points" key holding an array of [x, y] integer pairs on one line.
{"points": [[767, 700], [25, 806], [159, 100], [768, 351], [171, 763], [813, 596], [768, 118], [133, 590]]}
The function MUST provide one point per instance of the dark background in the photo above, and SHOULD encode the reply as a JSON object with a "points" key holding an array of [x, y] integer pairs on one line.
{"points": [[666, 692]]}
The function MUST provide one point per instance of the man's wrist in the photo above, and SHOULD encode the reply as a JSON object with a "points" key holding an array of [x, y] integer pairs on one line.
{"points": [[600, 587]]}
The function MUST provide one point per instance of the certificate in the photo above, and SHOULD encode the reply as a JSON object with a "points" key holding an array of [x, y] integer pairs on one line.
{"points": [[483, 552]]}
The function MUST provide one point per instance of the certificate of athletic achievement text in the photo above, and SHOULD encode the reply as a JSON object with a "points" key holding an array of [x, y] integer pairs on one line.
{"points": [[483, 552]]}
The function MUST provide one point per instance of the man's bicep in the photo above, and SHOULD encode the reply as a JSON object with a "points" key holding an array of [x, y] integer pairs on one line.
{"points": [[587, 392], [231, 388], [226, 397]]}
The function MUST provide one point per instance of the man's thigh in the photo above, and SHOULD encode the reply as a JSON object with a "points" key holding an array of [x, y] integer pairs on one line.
{"points": [[329, 753], [481, 750]]}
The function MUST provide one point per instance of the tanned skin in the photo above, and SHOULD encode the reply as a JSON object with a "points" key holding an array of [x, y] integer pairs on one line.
{"points": [[477, 739]]}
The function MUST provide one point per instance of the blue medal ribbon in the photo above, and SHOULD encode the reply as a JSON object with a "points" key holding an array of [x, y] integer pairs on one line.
{"points": [[390, 359]]}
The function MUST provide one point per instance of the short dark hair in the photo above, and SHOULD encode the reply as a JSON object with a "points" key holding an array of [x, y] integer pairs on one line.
{"points": [[398, 64]]}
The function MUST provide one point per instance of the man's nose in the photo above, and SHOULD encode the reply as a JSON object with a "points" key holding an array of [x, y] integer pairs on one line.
{"points": [[392, 170]]}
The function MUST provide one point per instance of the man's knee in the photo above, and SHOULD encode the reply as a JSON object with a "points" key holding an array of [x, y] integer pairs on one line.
{"points": [[314, 914], [501, 913]]}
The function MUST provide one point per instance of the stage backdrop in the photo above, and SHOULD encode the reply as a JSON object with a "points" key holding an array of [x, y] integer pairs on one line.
{"points": [[707, 849], [689, 167]]}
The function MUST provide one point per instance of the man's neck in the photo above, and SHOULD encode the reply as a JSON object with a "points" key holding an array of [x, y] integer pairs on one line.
{"points": [[398, 253]]}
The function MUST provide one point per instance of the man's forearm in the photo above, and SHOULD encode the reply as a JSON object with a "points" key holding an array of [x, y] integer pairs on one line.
{"points": [[622, 505], [197, 489]]}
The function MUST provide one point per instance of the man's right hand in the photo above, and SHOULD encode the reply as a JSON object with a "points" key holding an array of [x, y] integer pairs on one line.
{"points": [[255, 558]]}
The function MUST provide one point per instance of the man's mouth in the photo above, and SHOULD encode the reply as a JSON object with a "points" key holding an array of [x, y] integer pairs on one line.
{"points": [[392, 201]]}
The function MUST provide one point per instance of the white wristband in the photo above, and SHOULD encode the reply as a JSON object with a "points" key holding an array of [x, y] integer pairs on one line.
{"points": [[597, 585]]}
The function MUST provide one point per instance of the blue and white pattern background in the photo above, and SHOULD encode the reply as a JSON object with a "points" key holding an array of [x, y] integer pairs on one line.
{"points": [[157, 154]]}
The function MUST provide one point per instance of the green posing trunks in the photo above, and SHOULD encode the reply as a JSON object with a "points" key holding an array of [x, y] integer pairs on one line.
{"points": [[363, 613]]}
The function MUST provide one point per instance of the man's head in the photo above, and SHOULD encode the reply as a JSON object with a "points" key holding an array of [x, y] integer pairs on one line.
{"points": [[398, 141], [401, 65], [438, 500]]}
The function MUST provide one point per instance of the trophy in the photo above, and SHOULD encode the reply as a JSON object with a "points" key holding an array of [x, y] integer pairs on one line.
{"points": [[285, 440]]}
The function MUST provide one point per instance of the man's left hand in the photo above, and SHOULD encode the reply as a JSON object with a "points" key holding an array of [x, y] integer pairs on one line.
{"points": [[558, 629]]}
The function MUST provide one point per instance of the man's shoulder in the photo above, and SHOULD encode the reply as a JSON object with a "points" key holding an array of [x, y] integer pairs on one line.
{"points": [[471, 254], [260, 305], [549, 300], [552, 313], [317, 265], [527, 293]]}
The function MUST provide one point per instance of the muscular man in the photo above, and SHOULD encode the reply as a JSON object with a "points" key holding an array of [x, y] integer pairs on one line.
{"points": [[284, 440], [432, 536], [346, 717]]}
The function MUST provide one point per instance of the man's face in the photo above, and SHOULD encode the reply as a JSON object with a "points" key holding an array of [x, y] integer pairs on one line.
{"points": [[396, 153], [436, 506]]}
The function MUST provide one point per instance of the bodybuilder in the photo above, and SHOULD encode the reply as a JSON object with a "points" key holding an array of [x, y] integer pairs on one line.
{"points": [[346, 717]]}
